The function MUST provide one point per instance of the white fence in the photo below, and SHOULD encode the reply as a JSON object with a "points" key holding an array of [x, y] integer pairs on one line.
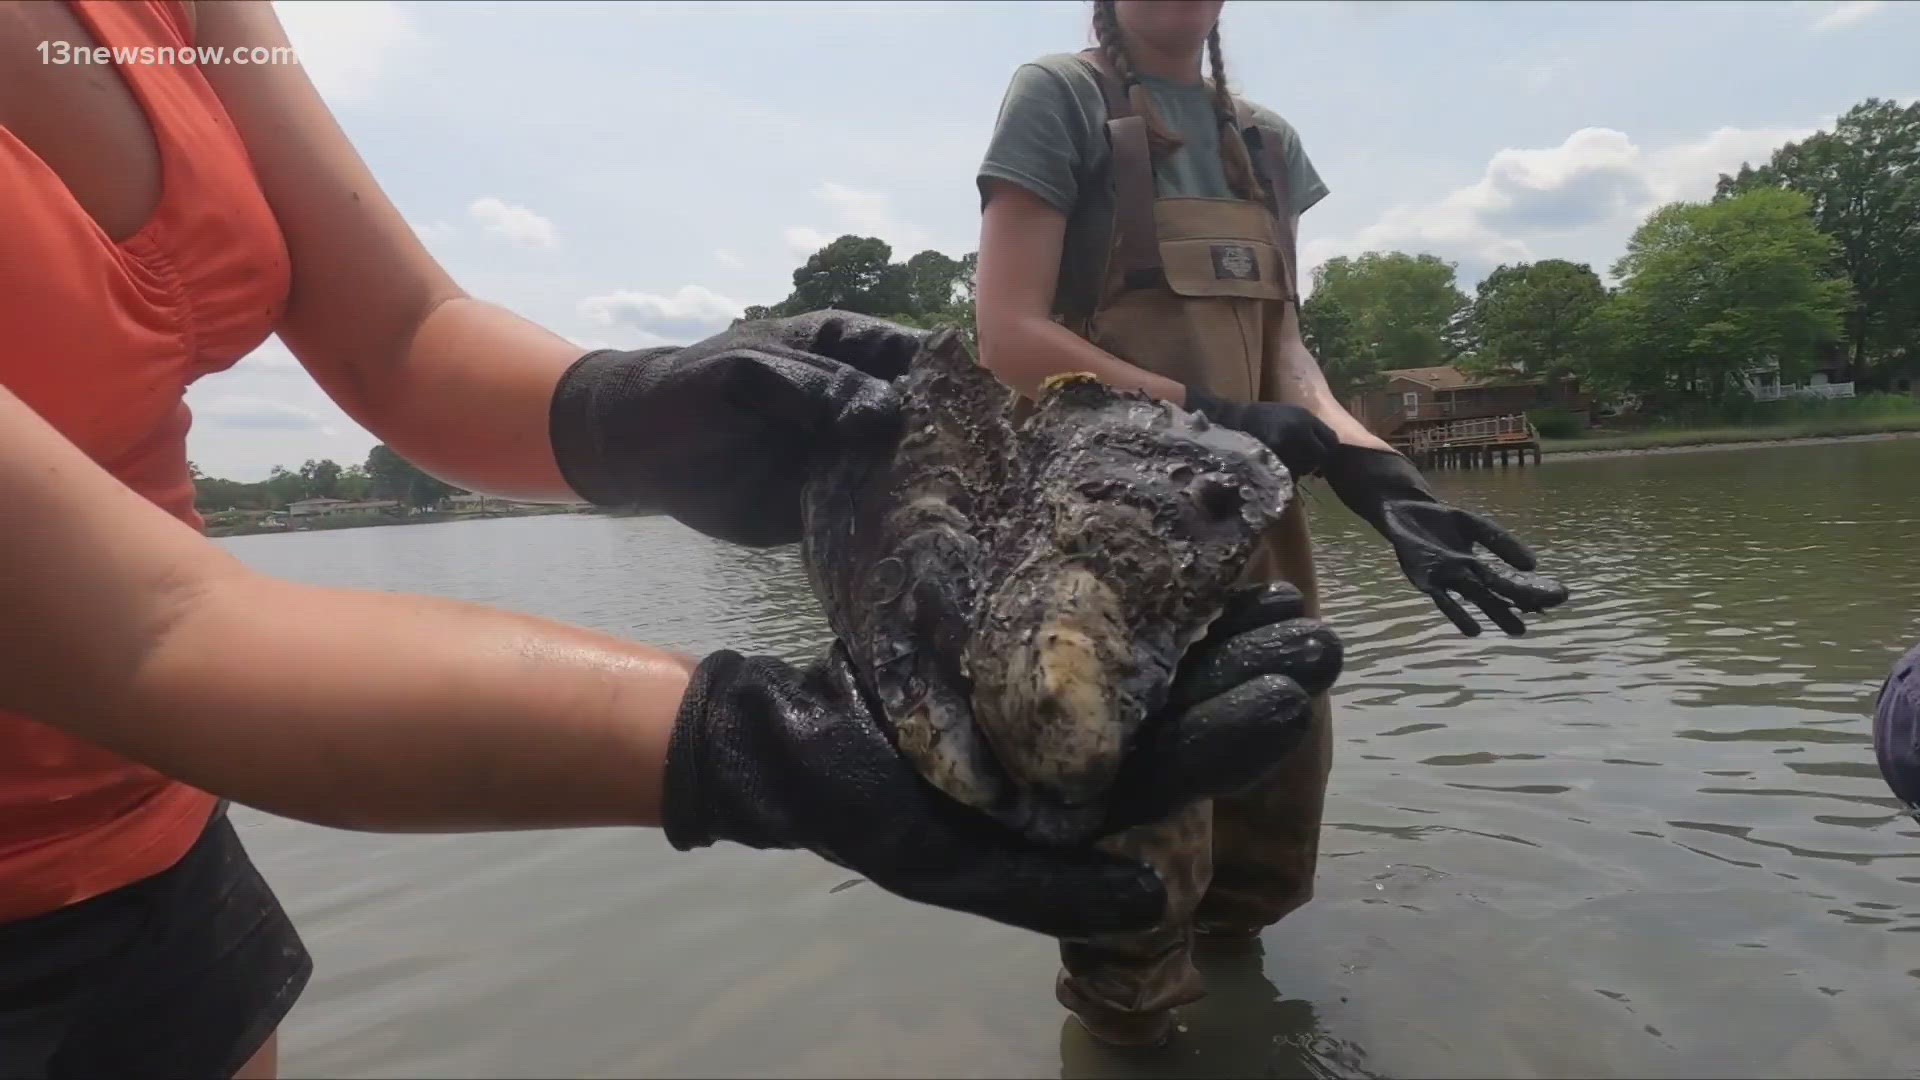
{"points": [[1776, 392]]}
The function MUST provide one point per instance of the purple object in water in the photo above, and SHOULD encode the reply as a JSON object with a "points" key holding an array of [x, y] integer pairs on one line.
{"points": [[1896, 730]]}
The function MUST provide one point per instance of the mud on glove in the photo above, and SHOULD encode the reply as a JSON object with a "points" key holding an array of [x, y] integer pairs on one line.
{"points": [[772, 756], [1239, 705], [1434, 541], [718, 433], [1298, 438]]}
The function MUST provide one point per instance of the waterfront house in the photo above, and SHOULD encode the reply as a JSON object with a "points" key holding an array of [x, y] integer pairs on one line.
{"points": [[1410, 400], [1826, 380], [305, 509], [301, 508]]}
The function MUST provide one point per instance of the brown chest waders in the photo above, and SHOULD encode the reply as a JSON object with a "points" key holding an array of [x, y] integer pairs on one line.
{"points": [[1196, 290]]}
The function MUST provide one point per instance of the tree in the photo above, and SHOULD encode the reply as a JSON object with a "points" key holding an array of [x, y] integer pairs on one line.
{"points": [[283, 487], [1381, 310], [855, 273], [391, 476], [1326, 327], [1711, 291], [1533, 318], [353, 483], [1862, 182], [322, 478], [211, 494]]}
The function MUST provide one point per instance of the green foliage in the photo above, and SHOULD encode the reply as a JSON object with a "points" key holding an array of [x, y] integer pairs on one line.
{"points": [[1874, 406], [1326, 327], [1533, 319], [1711, 290], [322, 479], [1558, 423], [1382, 310], [386, 475], [856, 273], [1862, 183], [394, 477]]}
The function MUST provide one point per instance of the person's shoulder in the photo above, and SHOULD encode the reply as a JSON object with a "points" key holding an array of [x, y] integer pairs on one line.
{"points": [[1062, 75], [1270, 120], [1072, 69]]}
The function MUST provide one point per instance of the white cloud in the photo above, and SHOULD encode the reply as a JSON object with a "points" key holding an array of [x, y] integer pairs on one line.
{"points": [[1580, 199], [265, 411], [727, 259], [1849, 13], [432, 234], [1690, 170], [860, 209], [689, 314], [802, 240], [516, 223], [347, 46], [251, 410], [868, 213]]}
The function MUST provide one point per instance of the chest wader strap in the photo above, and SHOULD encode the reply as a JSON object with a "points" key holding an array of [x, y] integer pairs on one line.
{"points": [[1136, 241], [1132, 170], [1272, 171]]}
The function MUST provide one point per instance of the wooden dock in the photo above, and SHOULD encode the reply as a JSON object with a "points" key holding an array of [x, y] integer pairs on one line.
{"points": [[1473, 444]]}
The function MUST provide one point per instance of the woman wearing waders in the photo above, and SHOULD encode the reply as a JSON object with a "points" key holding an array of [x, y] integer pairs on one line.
{"points": [[147, 676], [1139, 223]]}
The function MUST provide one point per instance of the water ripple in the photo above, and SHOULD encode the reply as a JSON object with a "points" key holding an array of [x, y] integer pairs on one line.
{"points": [[1649, 838]]}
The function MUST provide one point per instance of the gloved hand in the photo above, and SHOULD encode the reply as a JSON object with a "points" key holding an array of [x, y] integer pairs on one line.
{"points": [[769, 756], [1434, 541], [1297, 437], [718, 433]]}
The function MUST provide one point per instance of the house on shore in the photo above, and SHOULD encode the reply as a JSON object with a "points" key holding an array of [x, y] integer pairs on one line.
{"points": [[466, 502], [308, 509], [1828, 379], [1412, 405]]}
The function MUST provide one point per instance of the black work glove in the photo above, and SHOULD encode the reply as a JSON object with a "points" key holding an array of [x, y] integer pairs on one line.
{"points": [[718, 433], [1297, 437], [770, 756], [1434, 541]]}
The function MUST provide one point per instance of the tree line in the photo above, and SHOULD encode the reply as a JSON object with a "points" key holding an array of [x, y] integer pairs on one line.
{"points": [[857, 273], [384, 475], [1810, 257]]}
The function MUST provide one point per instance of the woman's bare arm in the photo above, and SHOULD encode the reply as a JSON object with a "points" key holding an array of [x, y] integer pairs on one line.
{"points": [[1020, 242], [457, 386], [1303, 383], [341, 707]]}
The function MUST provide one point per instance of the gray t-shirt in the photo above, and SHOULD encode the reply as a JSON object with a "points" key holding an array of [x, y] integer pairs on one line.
{"points": [[1051, 136]]}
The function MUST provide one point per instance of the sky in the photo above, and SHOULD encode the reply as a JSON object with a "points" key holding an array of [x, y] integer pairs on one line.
{"points": [[629, 173]]}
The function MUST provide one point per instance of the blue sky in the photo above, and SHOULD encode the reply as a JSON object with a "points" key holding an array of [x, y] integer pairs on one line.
{"points": [[631, 173]]}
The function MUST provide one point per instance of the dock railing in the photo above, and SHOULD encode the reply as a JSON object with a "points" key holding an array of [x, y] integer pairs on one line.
{"points": [[1481, 431]]}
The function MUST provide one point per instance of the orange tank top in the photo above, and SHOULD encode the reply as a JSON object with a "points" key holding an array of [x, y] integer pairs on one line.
{"points": [[102, 339]]}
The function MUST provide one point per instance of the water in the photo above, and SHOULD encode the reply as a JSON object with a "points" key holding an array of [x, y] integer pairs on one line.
{"points": [[1649, 839]]}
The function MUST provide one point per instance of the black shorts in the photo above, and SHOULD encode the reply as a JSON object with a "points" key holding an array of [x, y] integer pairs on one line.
{"points": [[182, 975]]}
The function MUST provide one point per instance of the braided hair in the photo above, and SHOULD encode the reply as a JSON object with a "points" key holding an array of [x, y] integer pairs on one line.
{"points": [[1162, 140]]}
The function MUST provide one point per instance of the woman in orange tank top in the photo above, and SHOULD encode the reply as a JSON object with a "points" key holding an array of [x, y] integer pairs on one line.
{"points": [[160, 220]]}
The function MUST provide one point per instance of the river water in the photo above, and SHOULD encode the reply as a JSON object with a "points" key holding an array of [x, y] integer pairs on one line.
{"points": [[1648, 839]]}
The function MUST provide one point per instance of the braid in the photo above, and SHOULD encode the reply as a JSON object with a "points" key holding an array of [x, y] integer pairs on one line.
{"points": [[1233, 148], [1161, 140]]}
